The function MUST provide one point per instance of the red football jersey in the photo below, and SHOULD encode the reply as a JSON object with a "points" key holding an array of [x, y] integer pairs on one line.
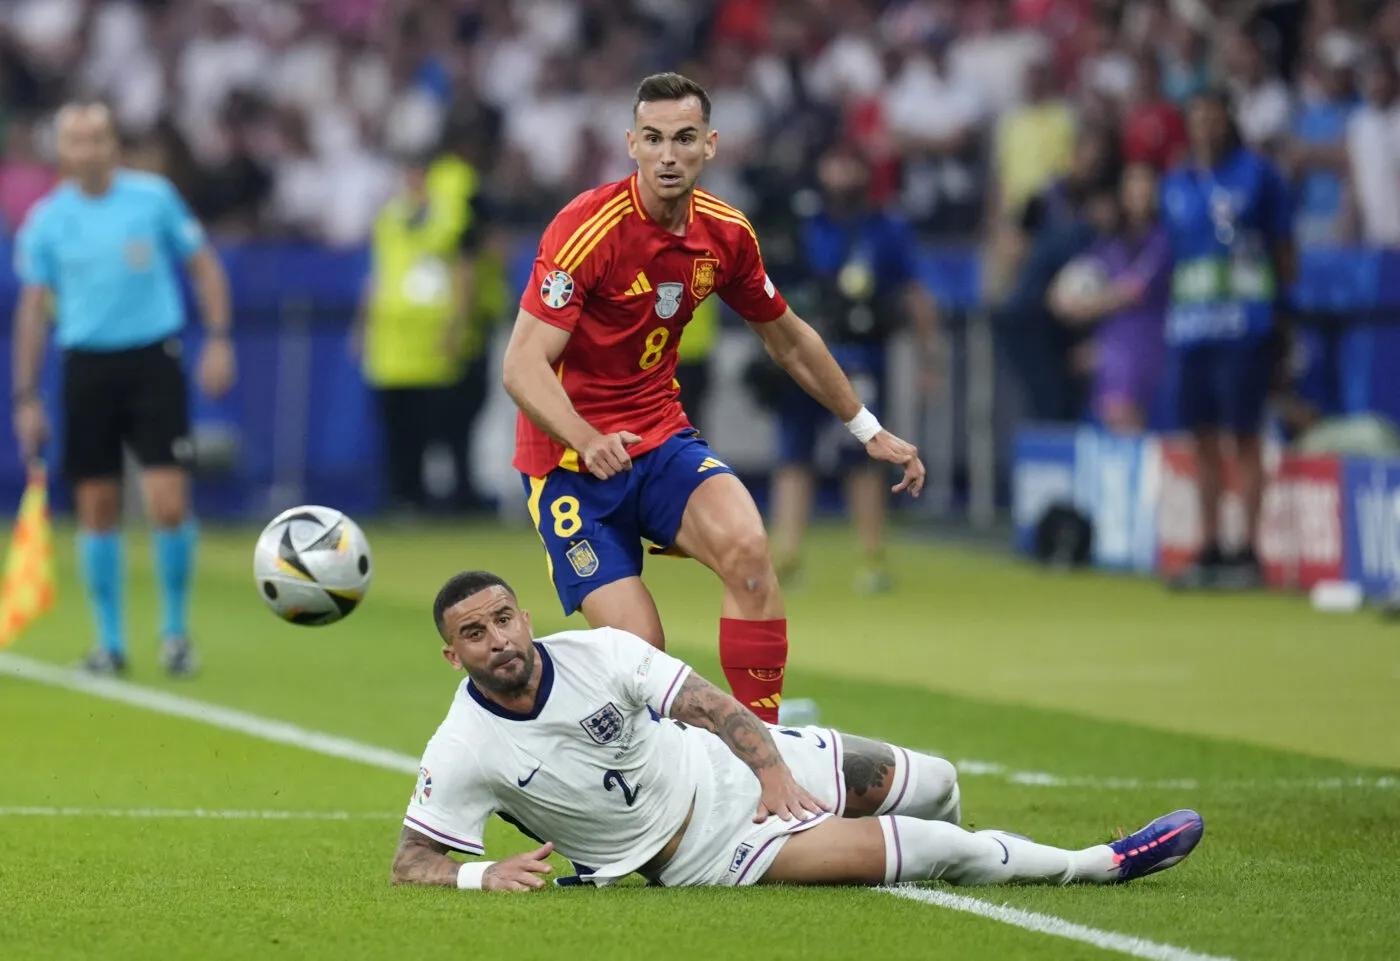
{"points": [[625, 288]]}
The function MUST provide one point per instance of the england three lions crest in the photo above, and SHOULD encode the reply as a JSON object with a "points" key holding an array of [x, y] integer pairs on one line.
{"points": [[605, 724], [668, 300], [702, 277]]}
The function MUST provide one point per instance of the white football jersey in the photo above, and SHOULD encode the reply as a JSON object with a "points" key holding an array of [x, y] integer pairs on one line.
{"points": [[589, 768]]}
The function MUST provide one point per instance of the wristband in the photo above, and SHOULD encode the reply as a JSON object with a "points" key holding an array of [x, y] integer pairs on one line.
{"points": [[469, 875], [864, 425]]}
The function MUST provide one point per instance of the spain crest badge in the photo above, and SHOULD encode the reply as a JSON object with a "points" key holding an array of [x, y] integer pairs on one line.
{"points": [[702, 277]]}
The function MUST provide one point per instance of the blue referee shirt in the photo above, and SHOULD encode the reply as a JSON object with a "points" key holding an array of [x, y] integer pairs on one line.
{"points": [[111, 261]]}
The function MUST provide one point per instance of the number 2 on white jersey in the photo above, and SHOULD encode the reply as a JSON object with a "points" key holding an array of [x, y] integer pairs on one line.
{"points": [[614, 779]]}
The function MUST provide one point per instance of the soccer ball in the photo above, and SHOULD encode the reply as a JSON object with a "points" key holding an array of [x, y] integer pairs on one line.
{"points": [[1082, 278], [312, 565]]}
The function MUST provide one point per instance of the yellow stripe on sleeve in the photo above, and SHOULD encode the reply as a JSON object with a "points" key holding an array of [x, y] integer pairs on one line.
{"points": [[600, 232], [705, 208], [580, 235], [713, 201]]}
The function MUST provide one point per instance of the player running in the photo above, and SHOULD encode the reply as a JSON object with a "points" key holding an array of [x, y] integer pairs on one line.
{"points": [[628, 761], [607, 453]]}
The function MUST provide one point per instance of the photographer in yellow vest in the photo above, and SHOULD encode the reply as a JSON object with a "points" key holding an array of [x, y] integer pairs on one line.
{"points": [[414, 331]]}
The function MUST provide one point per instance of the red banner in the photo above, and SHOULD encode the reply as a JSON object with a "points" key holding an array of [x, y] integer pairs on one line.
{"points": [[1300, 527]]}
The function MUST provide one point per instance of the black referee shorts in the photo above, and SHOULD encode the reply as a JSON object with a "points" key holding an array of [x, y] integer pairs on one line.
{"points": [[137, 397]]}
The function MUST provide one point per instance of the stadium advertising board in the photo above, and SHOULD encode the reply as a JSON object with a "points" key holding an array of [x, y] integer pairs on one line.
{"points": [[1371, 505], [1042, 476], [1300, 530], [1117, 480], [1141, 496], [1111, 480]]}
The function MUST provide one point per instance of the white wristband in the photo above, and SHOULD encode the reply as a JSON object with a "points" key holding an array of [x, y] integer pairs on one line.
{"points": [[864, 425], [469, 875]]}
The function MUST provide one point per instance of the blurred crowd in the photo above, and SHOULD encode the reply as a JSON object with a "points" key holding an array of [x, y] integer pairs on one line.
{"points": [[288, 117]]}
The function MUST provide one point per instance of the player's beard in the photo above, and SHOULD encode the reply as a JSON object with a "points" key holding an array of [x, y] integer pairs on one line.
{"points": [[508, 685]]}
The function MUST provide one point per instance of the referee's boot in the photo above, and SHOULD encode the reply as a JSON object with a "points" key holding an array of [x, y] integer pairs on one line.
{"points": [[178, 656], [104, 662]]}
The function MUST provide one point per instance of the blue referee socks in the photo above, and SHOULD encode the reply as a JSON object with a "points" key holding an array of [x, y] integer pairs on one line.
{"points": [[100, 559], [174, 549]]}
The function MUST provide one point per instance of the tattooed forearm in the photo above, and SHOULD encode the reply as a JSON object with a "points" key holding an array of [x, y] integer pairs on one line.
{"points": [[421, 860], [701, 703], [867, 764]]}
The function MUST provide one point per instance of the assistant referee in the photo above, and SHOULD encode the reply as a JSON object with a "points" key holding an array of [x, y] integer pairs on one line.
{"points": [[100, 252]]}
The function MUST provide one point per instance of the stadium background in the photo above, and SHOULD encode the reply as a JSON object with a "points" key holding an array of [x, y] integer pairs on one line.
{"points": [[281, 122]]}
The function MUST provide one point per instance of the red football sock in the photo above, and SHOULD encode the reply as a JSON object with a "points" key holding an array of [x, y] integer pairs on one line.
{"points": [[753, 655]]}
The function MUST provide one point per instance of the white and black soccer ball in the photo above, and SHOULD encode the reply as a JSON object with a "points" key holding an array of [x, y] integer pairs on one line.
{"points": [[312, 565], [1082, 278]]}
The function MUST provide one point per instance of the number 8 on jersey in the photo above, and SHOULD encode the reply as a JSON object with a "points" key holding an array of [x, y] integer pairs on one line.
{"points": [[655, 344]]}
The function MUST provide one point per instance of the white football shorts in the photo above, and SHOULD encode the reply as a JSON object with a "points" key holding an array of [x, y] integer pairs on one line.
{"points": [[723, 846]]}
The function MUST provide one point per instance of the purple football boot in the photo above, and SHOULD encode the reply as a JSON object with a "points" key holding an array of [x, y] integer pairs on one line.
{"points": [[1159, 845]]}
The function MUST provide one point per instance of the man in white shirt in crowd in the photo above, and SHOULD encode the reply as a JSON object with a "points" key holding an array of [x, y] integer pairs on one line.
{"points": [[1263, 104], [1373, 146]]}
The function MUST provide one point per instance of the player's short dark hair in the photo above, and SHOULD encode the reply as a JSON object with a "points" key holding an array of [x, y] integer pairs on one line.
{"points": [[671, 86], [461, 586]]}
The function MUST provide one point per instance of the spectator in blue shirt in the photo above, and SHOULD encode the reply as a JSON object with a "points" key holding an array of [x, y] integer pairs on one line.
{"points": [[1318, 156], [1230, 219], [101, 251]]}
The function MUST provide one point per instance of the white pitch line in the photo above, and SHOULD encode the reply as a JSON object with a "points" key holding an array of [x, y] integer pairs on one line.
{"points": [[1049, 924], [230, 719], [210, 814], [976, 768]]}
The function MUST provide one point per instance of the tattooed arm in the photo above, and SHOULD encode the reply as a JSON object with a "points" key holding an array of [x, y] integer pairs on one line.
{"points": [[701, 703], [421, 860]]}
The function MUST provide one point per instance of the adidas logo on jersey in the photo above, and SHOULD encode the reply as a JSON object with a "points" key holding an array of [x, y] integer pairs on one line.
{"points": [[639, 286], [707, 463]]}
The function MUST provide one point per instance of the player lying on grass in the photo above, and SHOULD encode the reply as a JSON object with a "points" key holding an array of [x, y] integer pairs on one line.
{"points": [[628, 761]]}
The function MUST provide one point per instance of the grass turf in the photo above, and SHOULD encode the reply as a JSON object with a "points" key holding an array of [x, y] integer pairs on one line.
{"points": [[1074, 699]]}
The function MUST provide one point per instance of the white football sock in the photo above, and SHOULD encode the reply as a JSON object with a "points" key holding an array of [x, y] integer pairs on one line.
{"points": [[924, 787], [1096, 864], [918, 850]]}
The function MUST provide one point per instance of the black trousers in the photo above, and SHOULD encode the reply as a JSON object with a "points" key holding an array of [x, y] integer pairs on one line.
{"points": [[694, 377], [415, 418]]}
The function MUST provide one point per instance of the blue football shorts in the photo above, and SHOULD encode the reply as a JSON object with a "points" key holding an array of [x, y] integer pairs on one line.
{"points": [[593, 529]]}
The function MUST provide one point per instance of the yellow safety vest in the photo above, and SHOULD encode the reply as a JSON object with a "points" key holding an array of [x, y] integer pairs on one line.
{"points": [[699, 337], [413, 301], [491, 300]]}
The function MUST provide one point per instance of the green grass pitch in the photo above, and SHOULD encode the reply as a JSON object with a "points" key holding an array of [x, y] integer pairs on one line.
{"points": [[1078, 705]]}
